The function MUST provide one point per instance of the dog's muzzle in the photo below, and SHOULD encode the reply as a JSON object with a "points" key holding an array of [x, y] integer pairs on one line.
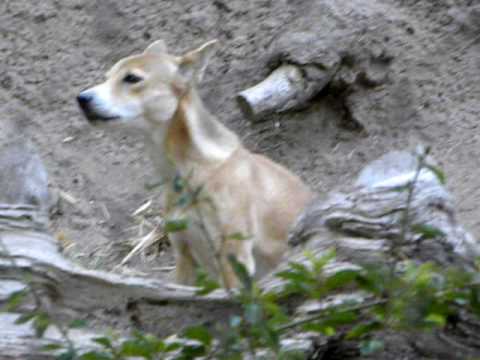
{"points": [[86, 103]]}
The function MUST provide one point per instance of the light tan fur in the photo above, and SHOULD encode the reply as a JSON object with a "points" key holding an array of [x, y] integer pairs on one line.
{"points": [[248, 193]]}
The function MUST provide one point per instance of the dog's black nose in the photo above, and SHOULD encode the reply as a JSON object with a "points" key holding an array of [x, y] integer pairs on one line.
{"points": [[84, 99]]}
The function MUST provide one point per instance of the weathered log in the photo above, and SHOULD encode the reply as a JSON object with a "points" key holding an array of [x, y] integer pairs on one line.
{"points": [[19, 341], [362, 223], [371, 213], [365, 222], [336, 46], [286, 88]]}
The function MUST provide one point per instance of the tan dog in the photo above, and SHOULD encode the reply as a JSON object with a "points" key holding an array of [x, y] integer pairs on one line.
{"points": [[248, 194]]}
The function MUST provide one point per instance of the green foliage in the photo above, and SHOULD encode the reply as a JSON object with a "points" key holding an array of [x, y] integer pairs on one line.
{"points": [[41, 322], [96, 355], [52, 347], [242, 274], [427, 231], [198, 333], [437, 172], [176, 225], [205, 284], [24, 318], [69, 354], [237, 236], [77, 324], [365, 328], [104, 342], [309, 279], [15, 300], [419, 297]]}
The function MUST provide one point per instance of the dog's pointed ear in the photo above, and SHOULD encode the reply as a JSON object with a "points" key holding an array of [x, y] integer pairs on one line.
{"points": [[192, 65], [157, 47]]}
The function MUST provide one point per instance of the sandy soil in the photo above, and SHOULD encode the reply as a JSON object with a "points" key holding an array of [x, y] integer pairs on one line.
{"points": [[52, 49]]}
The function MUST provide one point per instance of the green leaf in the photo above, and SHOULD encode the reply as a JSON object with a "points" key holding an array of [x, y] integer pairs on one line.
{"points": [[151, 342], [253, 313], [333, 320], [77, 324], [200, 334], [135, 348], [292, 355], [436, 319], [293, 276], [184, 201], [474, 298], [193, 351], [274, 312], [196, 192], [172, 347], [363, 329], [96, 355], [427, 231], [297, 273], [329, 331], [341, 278], [104, 341], [340, 317], [41, 322], [237, 236], [241, 272], [321, 328], [178, 184], [51, 347], [25, 318], [374, 279], [67, 355], [400, 188], [207, 288], [300, 268], [153, 185], [437, 172], [205, 283], [370, 347], [319, 263], [176, 225], [15, 300]]}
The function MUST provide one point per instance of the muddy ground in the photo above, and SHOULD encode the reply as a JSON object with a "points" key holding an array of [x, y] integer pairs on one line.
{"points": [[52, 49]]}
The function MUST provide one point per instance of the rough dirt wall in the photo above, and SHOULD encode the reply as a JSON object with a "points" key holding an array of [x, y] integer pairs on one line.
{"points": [[52, 49]]}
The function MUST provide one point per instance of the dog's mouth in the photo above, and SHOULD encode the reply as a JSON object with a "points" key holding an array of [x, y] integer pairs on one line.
{"points": [[93, 116], [96, 118]]}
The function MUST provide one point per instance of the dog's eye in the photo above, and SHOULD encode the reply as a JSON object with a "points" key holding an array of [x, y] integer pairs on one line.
{"points": [[132, 79]]}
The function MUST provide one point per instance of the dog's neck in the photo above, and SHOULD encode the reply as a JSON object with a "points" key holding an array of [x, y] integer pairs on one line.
{"points": [[193, 141]]}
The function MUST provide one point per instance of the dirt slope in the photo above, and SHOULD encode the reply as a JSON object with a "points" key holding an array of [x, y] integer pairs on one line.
{"points": [[52, 49]]}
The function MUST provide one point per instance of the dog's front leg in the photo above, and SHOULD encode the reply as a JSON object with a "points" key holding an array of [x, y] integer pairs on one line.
{"points": [[185, 266], [242, 250]]}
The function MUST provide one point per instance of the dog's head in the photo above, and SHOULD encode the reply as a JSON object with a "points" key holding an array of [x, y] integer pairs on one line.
{"points": [[147, 85]]}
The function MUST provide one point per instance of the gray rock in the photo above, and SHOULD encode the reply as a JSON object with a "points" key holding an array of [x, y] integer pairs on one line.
{"points": [[23, 179]]}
